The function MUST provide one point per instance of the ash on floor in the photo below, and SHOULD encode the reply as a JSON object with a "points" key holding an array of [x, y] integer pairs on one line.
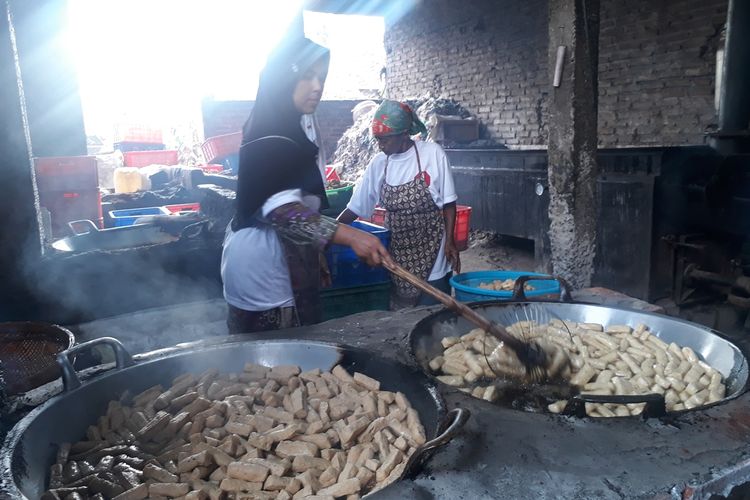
{"points": [[491, 251]]}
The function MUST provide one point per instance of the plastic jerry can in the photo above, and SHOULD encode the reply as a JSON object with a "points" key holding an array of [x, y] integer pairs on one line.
{"points": [[128, 180]]}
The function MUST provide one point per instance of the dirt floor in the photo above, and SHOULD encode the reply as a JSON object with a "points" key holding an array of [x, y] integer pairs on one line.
{"points": [[490, 251]]}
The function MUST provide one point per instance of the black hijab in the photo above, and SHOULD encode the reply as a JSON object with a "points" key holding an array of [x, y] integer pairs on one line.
{"points": [[276, 154]]}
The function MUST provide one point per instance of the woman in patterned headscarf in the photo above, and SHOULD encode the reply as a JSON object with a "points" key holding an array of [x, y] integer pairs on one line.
{"points": [[412, 181]]}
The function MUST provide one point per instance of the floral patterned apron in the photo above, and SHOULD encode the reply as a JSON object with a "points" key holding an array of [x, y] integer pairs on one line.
{"points": [[417, 227]]}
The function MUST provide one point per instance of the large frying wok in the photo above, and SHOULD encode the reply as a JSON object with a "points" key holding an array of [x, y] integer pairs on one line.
{"points": [[116, 238], [718, 352], [30, 447]]}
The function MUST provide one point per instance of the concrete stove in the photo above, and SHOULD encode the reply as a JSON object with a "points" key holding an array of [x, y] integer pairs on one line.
{"points": [[504, 453]]}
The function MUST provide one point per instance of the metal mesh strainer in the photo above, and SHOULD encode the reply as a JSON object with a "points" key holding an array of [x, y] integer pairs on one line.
{"points": [[27, 353], [530, 322]]}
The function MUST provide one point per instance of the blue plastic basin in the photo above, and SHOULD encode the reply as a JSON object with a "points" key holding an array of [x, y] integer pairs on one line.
{"points": [[467, 288], [128, 216]]}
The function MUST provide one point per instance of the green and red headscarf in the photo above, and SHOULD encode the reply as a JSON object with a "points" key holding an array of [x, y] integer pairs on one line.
{"points": [[393, 118]]}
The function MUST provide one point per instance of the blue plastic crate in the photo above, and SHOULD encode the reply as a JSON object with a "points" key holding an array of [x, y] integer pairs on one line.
{"points": [[346, 268], [128, 216], [231, 162], [467, 288], [127, 147]]}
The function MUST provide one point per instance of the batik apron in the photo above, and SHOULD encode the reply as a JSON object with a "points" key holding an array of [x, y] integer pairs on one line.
{"points": [[417, 228]]}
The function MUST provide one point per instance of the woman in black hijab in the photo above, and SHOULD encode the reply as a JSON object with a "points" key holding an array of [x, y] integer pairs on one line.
{"points": [[270, 261]]}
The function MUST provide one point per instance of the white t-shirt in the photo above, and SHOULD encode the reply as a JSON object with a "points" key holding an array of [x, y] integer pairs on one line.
{"points": [[402, 168], [253, 265]]}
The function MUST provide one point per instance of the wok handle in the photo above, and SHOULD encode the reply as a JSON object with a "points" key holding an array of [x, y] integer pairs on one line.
{"points": [[193, 230], [90, 226], [454, 421], [520, 294], [70, 378], [655, 407], [452, 424]]}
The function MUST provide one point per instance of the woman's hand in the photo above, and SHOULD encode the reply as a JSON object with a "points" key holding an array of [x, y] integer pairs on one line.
{"points": [[365, 245], [370, 249], [453, 256]]}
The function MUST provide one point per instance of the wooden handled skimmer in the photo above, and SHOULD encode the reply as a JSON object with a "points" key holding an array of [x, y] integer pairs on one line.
{"points": [[541, 362]]}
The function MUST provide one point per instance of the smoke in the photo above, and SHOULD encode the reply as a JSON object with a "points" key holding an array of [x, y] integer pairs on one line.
{"points": [[97, 284], [175, 324]]}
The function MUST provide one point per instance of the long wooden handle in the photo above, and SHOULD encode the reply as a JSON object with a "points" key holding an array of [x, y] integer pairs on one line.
{"points": [[468, 313]]}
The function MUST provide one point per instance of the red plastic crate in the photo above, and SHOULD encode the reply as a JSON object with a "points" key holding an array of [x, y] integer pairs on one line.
{"points": [[66, 173], [221, 146], [138, 133], [378, 217], [213, 168], [461, 230], [67, 206], [185, 207], [146, 158], [463, 225], [332, 175]]}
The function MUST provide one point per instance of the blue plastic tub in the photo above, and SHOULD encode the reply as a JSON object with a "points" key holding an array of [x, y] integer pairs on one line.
{"points": [[346, 268], [128, 216], [467, 288]]}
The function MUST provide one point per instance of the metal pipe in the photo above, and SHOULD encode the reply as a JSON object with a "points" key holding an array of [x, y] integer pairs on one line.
{"points": [[559, 65], [740, 283], [743, 283], [708, 277]]}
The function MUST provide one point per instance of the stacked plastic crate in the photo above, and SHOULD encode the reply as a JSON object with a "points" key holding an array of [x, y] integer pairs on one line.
{"points": [[135, 137], [145, 158], [224, 150], [69, 190], [356, 287]]}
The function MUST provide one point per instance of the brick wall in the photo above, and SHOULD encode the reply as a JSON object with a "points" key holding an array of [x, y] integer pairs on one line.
{"points": [[656, 66], [476, 52], [226, 117]]}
